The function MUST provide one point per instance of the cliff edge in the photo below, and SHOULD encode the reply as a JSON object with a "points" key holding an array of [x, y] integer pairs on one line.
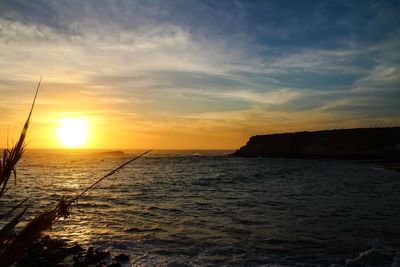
{"points": [[360, 143]]}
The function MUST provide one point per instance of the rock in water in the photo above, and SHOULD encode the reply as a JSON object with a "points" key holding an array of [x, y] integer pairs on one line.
{"points": [[372, 257], [122, 258], [396, 260]]}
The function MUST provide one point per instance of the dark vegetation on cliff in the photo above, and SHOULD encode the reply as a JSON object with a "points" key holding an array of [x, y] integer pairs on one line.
{"points": [[360, 143]]}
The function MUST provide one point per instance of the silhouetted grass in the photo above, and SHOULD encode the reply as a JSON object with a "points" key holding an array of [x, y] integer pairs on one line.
{"points": [[13, 155], [12, 245], [8, 164]]}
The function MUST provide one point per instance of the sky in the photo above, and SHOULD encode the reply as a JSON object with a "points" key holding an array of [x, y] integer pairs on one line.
{"points": [[200, 74]]}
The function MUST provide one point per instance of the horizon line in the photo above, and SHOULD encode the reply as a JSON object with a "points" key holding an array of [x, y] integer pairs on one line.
{"points": [[130, 149]]}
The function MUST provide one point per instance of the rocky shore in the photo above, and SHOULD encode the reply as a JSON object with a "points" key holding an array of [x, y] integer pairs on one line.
{"points": [[374, 257], [48, 252]]}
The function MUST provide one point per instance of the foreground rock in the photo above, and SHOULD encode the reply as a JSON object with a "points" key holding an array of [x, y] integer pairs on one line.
{"points": [[122, 258], [375, 257], [54, 252], [362, 143], [372, 257]]}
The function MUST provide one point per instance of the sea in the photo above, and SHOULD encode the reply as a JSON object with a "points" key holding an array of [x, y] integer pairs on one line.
{"points": [[204, 208]]}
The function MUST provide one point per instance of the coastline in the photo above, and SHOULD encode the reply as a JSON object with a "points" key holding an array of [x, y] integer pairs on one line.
{"points": [[49, 251], [346, 144]]}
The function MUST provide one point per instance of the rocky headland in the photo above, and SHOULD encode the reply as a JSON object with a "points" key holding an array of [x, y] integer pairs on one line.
{"points": [[358, 144]]}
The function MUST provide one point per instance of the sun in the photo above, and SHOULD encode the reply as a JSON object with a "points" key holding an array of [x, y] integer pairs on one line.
{"points": [[73, 132]]}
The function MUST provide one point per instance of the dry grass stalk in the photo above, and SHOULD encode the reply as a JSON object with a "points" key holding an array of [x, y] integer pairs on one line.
{"points": [[13, 247], [7, 168], [15, 250], [13, 155]]}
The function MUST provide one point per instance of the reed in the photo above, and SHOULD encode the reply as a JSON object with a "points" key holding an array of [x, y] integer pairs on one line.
{"points": [[8, 165], [13, 246], [11, 156], [44, 220]]}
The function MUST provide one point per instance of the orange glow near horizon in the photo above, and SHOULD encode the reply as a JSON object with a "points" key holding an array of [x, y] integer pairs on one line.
{"points": [[193, 84]]}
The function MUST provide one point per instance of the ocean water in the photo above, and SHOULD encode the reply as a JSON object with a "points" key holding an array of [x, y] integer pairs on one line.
{"points": [[202, 209]]}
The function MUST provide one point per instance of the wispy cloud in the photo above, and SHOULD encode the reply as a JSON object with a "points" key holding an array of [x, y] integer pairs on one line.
{"points": [[203, 66]]}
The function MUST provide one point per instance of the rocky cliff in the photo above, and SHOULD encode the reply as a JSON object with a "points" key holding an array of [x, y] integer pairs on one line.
{"points": [[360, 143]]}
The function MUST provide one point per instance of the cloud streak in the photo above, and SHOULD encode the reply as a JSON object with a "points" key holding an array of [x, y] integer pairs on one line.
{"points": [[229, 67]]}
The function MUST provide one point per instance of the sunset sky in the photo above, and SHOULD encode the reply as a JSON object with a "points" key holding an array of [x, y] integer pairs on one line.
{"points": [[197, 74]]}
